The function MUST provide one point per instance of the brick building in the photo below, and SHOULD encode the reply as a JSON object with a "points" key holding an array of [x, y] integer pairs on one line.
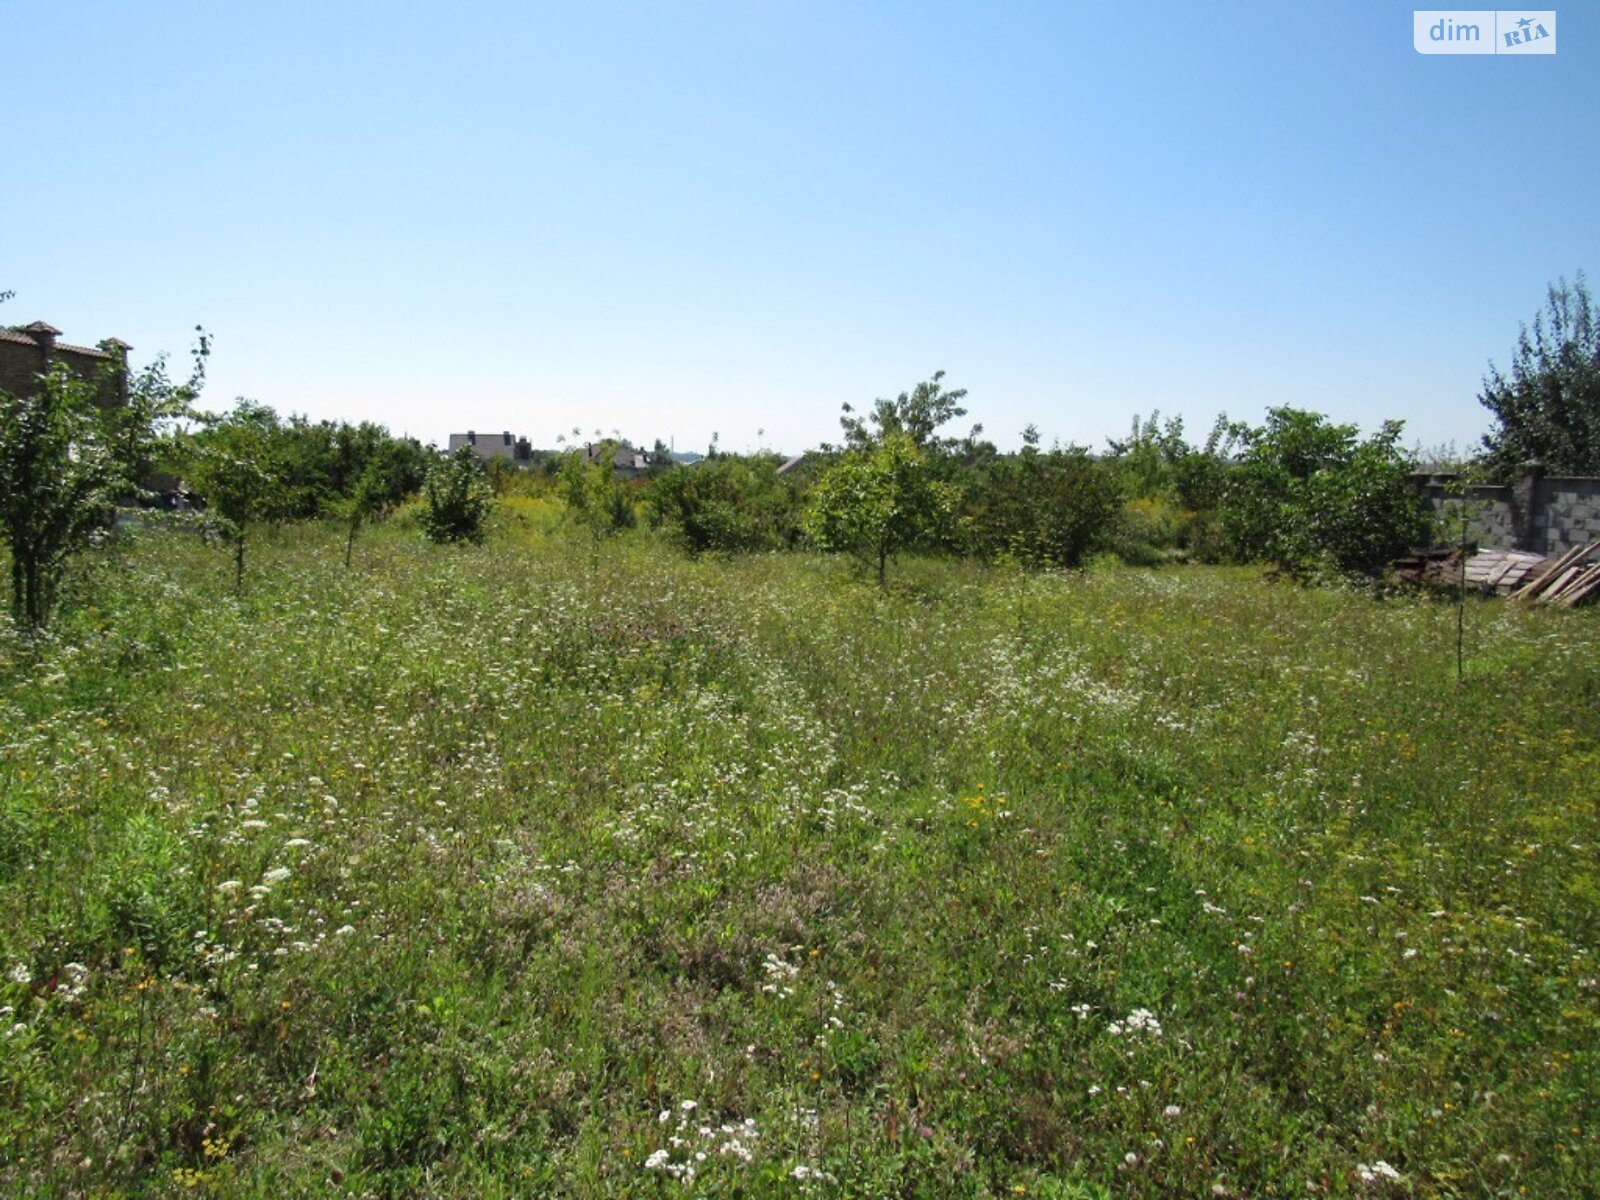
{"points": [[29, 351]]}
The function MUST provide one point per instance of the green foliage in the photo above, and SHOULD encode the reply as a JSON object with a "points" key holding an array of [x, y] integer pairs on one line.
{"points": [[235, 466], [60, 475], [448, 877], [457, 499], [917, 414], [383, 483], [1548, 411], [1046, 509], [595, 497], [1156, 461], [138, 428], [879, 501], [728, 504], [1308, 495]]}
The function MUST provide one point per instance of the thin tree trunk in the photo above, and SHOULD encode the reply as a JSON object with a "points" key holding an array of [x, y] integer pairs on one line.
{"points": [[34, 600], [238, 566], [350, 543], [1461, 601]]}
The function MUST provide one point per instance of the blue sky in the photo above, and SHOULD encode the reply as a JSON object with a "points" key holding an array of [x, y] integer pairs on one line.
{"points": [[675, 219]]}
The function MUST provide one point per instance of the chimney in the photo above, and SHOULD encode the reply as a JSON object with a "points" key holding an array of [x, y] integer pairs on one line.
{"points": [[472, 438], [44, 336]]}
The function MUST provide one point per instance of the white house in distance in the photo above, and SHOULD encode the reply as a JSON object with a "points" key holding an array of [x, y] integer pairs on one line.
{"points": [[494, 445]]}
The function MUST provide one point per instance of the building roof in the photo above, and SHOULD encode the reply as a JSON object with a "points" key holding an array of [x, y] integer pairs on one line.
{"points": [[624, 457], [27, 336]]}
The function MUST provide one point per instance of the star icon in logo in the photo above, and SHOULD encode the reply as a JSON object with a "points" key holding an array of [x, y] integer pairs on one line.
{"points": [[1524, 23]]}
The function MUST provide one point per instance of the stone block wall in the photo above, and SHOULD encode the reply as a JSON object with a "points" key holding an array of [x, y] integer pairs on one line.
{"points": [[1566, 513], [1549, 514]]}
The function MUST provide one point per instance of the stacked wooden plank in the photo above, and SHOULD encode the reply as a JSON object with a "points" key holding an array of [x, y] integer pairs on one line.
{"points": [[1572, 579], [1502, 571]]}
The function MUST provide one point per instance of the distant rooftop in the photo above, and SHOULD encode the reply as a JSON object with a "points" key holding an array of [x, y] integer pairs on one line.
{"points": [[41, 334]]}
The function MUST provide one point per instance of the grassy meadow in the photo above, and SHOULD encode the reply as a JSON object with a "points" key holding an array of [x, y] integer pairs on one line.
{"points": [[544, 868]]}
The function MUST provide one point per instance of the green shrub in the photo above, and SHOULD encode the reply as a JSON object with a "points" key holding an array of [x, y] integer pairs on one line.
{"points": [[1046, 508], [595, 497], [1308, 496], [457, 499], [727, 504]]}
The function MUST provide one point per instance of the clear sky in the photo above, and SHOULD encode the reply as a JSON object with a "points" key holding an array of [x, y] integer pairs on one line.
{"points": [[672, 218]]}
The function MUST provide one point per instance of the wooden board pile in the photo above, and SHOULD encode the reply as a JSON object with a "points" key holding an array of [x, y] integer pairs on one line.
{"points": [[1503, 571], [1491, 571], [1430, 568], [1571, 580]]}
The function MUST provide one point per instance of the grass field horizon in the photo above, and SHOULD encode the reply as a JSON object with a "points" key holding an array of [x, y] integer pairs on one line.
{"points": [[542, 868]]}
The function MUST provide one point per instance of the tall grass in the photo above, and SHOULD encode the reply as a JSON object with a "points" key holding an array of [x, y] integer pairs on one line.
{"points": [[522, 870]]}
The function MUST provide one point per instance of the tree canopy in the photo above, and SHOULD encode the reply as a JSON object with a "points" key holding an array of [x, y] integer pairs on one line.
{"points": [[918, 414], [1548, 409], [1308, 494]]}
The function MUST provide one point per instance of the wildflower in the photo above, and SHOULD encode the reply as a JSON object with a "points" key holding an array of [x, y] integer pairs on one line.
{"points": [[276, 875], [20, 974], [1376, 1171], [657, 1161], [228, 886], [1172, 1112]]}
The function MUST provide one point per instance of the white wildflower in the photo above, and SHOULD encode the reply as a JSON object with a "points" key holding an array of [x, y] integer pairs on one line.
{"points": [[1377, 1171]]}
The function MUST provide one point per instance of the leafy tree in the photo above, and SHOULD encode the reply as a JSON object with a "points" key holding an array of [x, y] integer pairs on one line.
{"points": [[880, 500], [1043, 509], [368, 500], [594, 495], [1548, 411], [1307, 494], [235, 465], [458, 499], [1156, 461], [60, 476], [917, 414], [154, 403]]}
